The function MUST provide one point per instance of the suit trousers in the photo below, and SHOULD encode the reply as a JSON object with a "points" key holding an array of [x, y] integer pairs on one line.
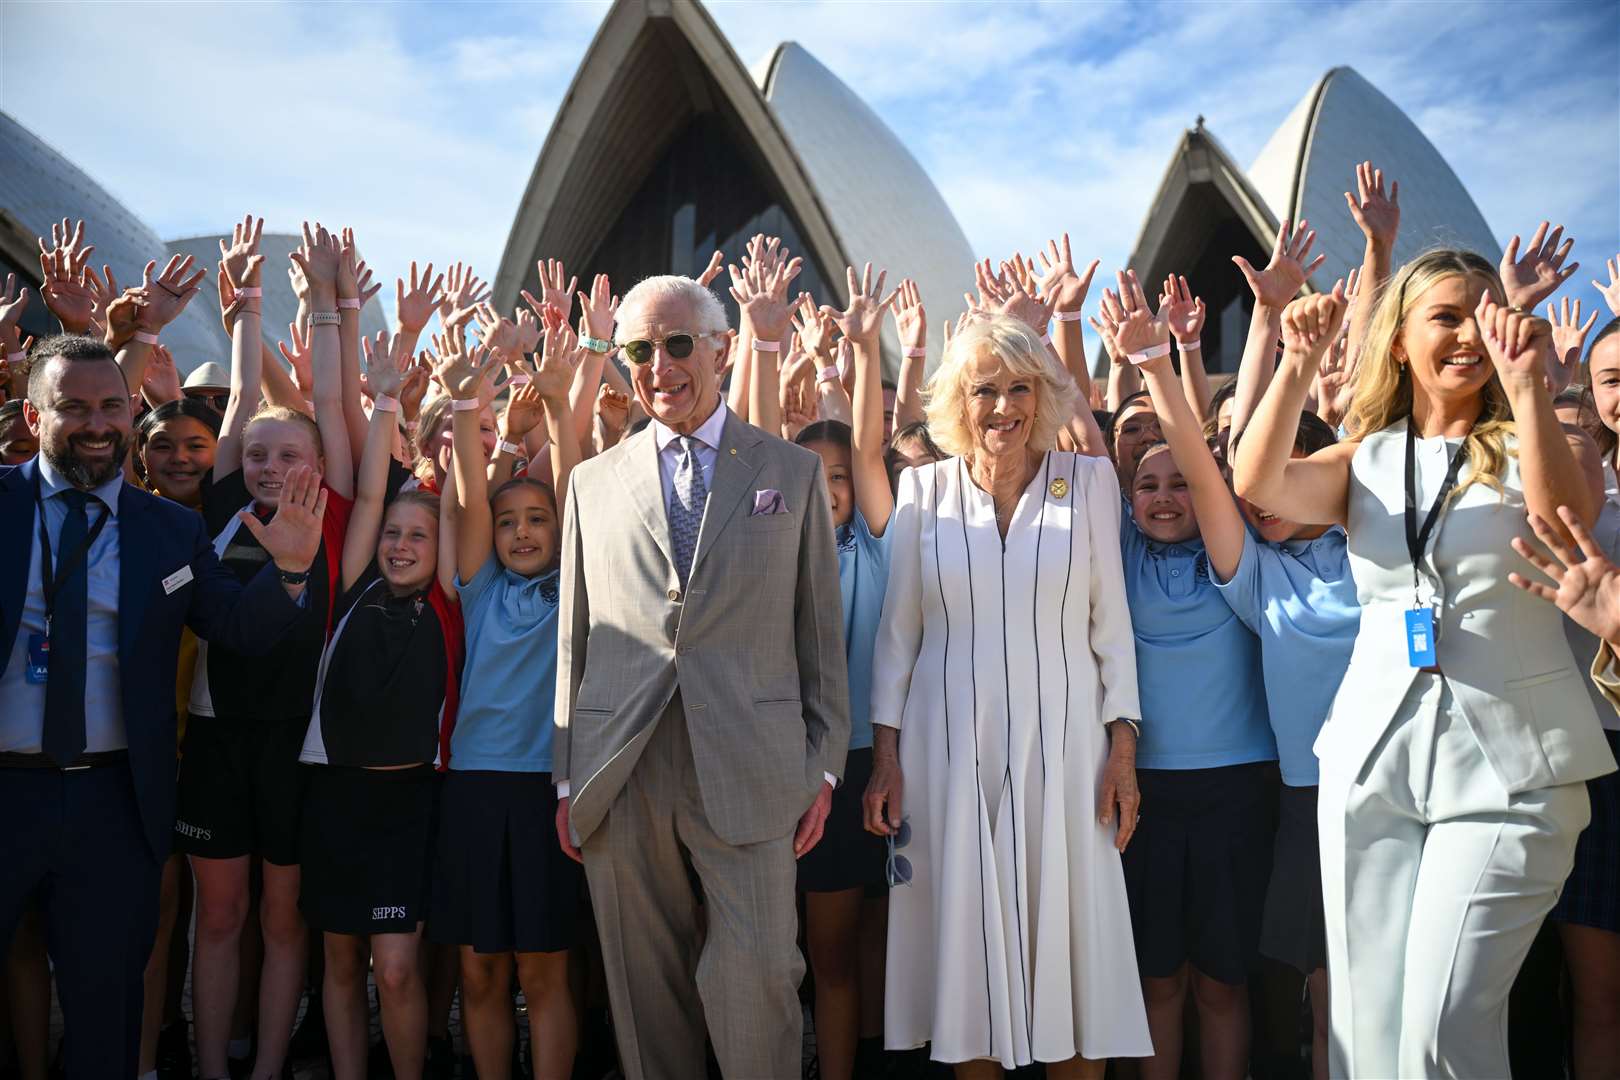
{"points": [[1435, 880], [73, 843], [665, 974]]}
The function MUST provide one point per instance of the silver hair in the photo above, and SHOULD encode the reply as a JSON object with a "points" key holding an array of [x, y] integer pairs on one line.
{"points": [[711, 316]]}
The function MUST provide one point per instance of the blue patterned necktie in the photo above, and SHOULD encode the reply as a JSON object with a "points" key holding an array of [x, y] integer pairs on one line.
{"points": [[686, 506], [64, 736]]}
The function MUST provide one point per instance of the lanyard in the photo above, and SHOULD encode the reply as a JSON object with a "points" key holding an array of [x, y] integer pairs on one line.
{"points": [[51, 583], [1417, 539]]}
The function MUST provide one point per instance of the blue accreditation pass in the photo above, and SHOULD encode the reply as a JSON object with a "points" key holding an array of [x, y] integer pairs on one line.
{"points": [[1420, 651], [38, 672]]}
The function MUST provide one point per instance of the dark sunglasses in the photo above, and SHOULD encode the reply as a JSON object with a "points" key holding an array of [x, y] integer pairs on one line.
{"points": [[217, 402], [899, 867], [679, 346]]}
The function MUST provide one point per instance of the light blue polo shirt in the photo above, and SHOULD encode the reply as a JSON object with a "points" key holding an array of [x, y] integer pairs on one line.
{"points": [[1299, 597], [509, 681], [863, 576], [1198, 667]]}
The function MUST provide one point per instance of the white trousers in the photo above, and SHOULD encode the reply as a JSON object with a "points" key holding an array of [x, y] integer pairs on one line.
{"points": [[1435, 881]]}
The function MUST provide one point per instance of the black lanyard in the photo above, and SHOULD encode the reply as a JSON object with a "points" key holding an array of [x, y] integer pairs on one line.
{"points": [[52, 583], [1417, 540]]}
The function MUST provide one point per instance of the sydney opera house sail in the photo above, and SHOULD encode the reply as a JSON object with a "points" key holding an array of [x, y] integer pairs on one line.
{"points": [[650, 173]]}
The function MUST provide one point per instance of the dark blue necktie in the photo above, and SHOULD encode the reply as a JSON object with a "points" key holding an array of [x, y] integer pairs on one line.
{"points": [[64, 686]]}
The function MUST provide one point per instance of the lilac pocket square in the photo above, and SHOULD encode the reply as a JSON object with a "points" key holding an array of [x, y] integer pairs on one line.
{"points": [[768, 501]]}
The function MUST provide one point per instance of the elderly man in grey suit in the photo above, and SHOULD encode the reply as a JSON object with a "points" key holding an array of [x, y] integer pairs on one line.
{"points": [[702, 702]]}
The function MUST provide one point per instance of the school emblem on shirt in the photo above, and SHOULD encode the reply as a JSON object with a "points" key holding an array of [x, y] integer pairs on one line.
{"points": [[1059, 488]]}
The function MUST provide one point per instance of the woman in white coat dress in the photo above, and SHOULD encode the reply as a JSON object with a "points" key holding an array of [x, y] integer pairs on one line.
{"points": [[1005, 657], [1453, 759]]}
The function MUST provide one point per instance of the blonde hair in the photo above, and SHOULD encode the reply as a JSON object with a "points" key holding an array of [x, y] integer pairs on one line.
{"points": [[287, 416], [1384, 383], [1020, 350]]}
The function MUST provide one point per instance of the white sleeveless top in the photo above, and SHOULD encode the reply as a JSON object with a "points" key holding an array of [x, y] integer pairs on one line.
{"points": [[1504, 652]]}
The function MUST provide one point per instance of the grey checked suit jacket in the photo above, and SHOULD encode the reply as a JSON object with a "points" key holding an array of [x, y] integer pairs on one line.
{"points": [[755, 645]]}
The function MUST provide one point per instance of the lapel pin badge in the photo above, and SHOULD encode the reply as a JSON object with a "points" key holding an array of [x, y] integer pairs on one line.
{"points": [[1059, 488]]}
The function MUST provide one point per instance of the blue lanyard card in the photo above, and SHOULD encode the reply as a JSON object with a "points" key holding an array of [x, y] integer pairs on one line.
{"points": [[1420, 638], [38, 671]]}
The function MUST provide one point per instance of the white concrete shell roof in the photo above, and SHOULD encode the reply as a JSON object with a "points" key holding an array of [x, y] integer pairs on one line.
{"points": [[1309, 163], [847, 181], [38, 186], [280, 303]]}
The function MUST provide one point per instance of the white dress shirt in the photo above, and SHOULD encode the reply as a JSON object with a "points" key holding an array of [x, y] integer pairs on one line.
{"points": [[22, 720]]}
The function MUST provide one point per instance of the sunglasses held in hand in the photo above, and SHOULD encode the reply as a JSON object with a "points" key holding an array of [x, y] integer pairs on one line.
{"points": [[679, 346], [899, 867]]}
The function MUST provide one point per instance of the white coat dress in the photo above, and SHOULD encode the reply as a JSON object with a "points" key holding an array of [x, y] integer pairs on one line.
{"points": [[1002, 664]]}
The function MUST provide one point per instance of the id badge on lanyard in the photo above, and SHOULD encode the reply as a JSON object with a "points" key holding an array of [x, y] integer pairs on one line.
{"points": [[1422, 638]]}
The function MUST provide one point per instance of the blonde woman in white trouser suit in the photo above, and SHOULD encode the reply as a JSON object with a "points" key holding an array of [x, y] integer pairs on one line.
{"points": [[1453, 759]]}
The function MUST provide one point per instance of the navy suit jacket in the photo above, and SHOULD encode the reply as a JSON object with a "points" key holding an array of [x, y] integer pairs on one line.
{"points": [[156, 538]]}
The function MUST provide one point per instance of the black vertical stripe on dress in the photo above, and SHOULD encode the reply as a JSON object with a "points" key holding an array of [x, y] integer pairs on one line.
{"points": [[939, 580], [1063, 608], [978, 785]]}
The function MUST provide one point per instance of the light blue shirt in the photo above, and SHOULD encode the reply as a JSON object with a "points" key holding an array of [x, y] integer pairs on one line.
{"points": [[863, 577], [22, 720], [1299, 597], [1197, 666], [509, 680]]}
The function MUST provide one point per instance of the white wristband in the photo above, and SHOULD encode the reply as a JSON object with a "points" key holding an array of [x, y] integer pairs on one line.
{"points": [[17, 357], [385, 404], [466, 405], [352, 303], [1046, 339], [504, 447], [146, 339], [325, 318], [1152, 352], [518, 380], [1068, 316], [767, 346], [916, 354], [250, 292], [830, 373], [1196, 346]]}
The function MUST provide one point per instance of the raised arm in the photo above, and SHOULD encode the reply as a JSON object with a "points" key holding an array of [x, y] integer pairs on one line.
{"points": [[561, 355], [415, 304], [319, 257], [387, 365], [1311, 490], [1520, 347], [240, 269], [160, 302], [1529, 280], [599, 312], [1123, 378], [1185, 314], [1067, 289], [862, 326], [1378, 216], [761, 292], [1220, 522], [354, 289], [1273, 288], [461, 370], [911, 325]]}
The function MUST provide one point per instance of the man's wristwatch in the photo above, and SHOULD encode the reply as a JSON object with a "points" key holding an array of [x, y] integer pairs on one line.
{"points": [[292, 577]]}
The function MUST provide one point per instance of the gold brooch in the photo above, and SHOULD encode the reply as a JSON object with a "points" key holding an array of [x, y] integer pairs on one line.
{"points": [[1059, 488]]}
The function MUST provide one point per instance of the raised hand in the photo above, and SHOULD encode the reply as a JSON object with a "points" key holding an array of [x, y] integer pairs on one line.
{"points": [[13, 302], [1519, 344], [1182, 310], [525, 409], [1137, 328], [994, 288], [462, 369], [67, 289], [1019, 302], [388, 362], [1059, 279], [717, 263], [415, 304], [559, 356], [168, 294], [862, 320], [612, 410], [1529, 280], [319, 257], [910, 318], [1335, 381], [1377, 215], [1569, 338], [1311, 323], [462, 290], [293, 536], [415, 389], [553, 293], [528, 331], [1285, 274], [498, 333], [762, 295], [598, 310], [1587, 589], [300, 356], [1611, 291], [161, 380]]}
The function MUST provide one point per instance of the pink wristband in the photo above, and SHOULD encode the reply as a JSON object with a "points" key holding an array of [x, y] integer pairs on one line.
{"points": [[385, 404], [252, 292], [917, 354], [465, 405], [1196, 346], [767, 346], [352, 302], [518, 380], [1046, 339], [145, 338], [1068, 316], [830, 373], [17, 357], [1152, 352]]}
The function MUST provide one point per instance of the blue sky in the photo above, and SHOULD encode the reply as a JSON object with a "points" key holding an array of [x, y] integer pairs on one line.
{"points": [[419, 123]]}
